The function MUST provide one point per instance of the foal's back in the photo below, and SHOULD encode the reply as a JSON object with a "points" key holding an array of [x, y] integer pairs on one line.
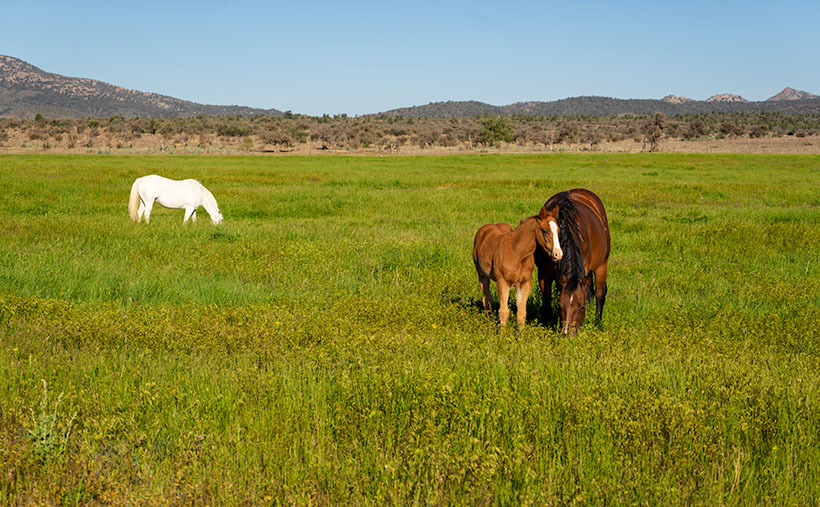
{"points": [[486, 242]]}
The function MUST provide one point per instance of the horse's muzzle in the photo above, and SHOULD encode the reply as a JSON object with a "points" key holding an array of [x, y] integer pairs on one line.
{"points": [[572, 331]]}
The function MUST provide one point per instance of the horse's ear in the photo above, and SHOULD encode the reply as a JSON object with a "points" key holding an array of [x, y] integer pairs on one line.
{"points": [[543, 213]]}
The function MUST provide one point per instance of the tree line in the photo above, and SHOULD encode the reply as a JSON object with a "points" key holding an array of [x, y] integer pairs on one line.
{"points": [[391, 133]]}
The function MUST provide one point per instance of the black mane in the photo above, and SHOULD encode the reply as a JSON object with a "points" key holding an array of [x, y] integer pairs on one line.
{"points": [[571, 265]]}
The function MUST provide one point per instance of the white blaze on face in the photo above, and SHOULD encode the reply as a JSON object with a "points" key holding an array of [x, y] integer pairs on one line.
{"points": [[557, 253]]}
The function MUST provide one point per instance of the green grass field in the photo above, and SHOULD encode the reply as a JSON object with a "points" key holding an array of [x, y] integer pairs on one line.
{"points": [[325, 344]]}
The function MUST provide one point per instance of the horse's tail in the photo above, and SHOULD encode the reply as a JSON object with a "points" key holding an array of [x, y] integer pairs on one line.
{"points": [[134, 200]]}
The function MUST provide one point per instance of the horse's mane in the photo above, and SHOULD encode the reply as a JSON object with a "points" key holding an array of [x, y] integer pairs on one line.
{"points": [[208, 196], [571, 265]]}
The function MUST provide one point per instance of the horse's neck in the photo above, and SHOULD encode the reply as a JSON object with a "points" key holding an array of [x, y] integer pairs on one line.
{"points": [[208, 201], [522, 238]]}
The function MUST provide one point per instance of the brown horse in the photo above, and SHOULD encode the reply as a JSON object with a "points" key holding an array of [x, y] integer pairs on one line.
{"points": [[584, 237], [505, 255]]}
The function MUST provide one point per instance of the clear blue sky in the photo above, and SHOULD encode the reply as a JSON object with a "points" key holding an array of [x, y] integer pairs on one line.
{"points": [[355, 57]]}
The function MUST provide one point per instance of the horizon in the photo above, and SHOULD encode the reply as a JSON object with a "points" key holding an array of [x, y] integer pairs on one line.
{"points": [[366, 58]]}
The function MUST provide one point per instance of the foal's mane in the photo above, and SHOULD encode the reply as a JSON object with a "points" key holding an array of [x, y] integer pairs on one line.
{"points": [[571, 265]]}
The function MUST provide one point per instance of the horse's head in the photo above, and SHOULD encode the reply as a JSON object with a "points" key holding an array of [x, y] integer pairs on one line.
{"points": [[573, 307], [547, 235], [217, 218]]}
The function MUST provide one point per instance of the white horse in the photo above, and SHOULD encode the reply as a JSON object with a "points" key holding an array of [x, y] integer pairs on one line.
{"points": [[187, 194]]}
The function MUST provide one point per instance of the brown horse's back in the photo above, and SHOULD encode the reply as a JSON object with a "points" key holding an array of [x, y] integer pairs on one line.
{"points": [[484, 246]]}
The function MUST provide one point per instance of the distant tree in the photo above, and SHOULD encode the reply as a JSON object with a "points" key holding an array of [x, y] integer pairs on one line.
{"points": [[276, 137], [546, 137], [695, 128], [524, 135], [593, 137], [298, 134], [567, 133], [652, 131], [758, 131], [226, 129], [494, 130], [426, 137]]}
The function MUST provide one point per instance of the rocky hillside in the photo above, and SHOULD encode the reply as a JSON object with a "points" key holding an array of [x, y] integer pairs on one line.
{"points": [[726, 97], [673, 99], [792, 94], [26, 90]]}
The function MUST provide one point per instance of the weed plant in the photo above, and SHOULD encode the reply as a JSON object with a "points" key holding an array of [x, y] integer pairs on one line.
{"points": [[325, 344]]}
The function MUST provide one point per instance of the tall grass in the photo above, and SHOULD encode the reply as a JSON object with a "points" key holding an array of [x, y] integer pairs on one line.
{"points": [[325, 344]]}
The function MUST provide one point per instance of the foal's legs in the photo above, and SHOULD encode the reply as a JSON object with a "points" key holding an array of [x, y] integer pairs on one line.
{"points": [[522, 292], [486, 295], [600, 293], [503, 300]]}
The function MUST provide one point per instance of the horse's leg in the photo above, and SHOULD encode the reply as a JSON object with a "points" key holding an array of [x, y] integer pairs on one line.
{"points": [[600, 293], [188, 213], [546, 303], [486, 295], [503, 300], [545, 281], [140, 211], [522, 292], [545, 285], [148, 206], [193, 216]]}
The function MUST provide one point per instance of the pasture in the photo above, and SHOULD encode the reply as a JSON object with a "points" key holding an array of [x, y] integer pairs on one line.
{"points": [[325, 344]]}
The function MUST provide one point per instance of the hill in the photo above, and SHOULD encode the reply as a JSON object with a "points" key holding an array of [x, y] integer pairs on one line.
{"points": [[26, 90], [606, 106], [792, 94]]}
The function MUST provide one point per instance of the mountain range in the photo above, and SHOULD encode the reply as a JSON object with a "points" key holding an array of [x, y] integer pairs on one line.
{"points": [[788, 101], [26, 90]]}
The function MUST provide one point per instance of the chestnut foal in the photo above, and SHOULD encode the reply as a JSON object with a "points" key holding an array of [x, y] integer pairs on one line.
{"points": [[505, 255]]}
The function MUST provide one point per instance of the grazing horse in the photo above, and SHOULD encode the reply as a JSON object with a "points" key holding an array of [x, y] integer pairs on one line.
{"points": [[584, 236], [185, 194], [505, 255]]}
